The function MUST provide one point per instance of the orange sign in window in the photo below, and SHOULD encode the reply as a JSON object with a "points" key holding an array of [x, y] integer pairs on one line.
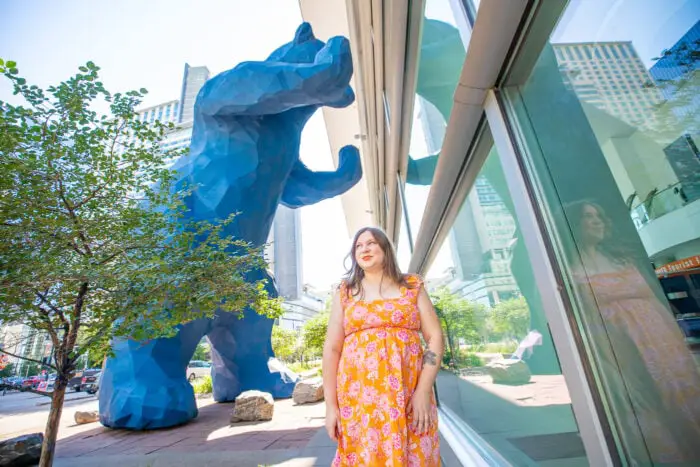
{"points": [[679, 266]]}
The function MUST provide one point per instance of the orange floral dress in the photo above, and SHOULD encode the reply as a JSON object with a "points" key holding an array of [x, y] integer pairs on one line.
{"points": [[377, 374]]}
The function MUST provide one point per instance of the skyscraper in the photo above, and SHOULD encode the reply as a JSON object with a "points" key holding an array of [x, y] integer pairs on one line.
{"points": [[192, 81], [678, 60], [675, 74], [611, 77], [482, 235], [286, 244], [180, 112]]}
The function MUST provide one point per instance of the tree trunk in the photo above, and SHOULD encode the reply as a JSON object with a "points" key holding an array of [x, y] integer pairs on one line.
{"points": [[453, 357], [52, 424]]}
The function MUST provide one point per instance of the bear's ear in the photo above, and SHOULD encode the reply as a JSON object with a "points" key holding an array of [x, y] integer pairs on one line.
{"points": [[304, 33]]}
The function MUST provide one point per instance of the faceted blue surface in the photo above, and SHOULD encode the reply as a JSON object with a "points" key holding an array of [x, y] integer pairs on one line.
{"points": [[244, 158]]}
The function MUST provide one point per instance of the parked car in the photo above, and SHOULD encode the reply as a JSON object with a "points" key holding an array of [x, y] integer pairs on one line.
{"points": [[94, 386], [89, 380], [76, 381], [32, 382], [48, 385], [14, 382], [198, 369]]}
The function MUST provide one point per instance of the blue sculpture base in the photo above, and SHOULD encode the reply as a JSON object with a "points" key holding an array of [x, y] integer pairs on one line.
{"points": [[144, 385]]}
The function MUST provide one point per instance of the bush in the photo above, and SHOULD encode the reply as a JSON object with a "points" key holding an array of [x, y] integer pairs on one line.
{"points": [[462, 360], [500, 347], [285, 343], [314, 334], [203, 386], [470, 360]]}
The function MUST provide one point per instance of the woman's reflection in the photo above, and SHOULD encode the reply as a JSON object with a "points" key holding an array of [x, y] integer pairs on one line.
{"points": [[658, 369]]}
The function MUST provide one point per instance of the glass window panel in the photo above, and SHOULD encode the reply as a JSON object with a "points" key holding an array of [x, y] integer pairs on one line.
{"points": [[619, 177], [439, 68], [500, 371]]}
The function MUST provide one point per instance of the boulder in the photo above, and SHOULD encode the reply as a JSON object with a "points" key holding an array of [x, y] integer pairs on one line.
{"points": [[253, 406], [22, 450], [82, 418], [308, 391], [510, 372]]}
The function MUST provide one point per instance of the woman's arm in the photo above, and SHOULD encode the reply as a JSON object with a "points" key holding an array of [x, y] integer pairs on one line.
{"points": [[432, 334], [332, 349]]}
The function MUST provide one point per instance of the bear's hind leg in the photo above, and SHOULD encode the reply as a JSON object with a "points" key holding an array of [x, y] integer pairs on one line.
{"points": [[144, 385]]}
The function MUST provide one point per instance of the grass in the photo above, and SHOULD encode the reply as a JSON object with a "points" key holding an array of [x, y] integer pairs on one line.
{"points": [[499, 347], [300, 367]]}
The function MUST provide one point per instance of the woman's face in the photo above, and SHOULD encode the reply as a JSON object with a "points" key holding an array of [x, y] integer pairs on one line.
{"points": [[368, 253], [592, 225]]}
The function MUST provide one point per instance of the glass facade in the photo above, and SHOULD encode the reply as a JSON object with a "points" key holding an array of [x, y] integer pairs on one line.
{"points": [[607, 119], [440, 63], [500, 371], [599, 103]]}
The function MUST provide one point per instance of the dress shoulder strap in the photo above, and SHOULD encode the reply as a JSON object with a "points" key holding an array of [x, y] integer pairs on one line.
{"points": [[345, 296], [415, 282]]}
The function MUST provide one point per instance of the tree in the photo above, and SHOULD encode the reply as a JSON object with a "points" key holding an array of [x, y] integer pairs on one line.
{"points": [[675, 115], [31, 369], [8, 371], [511, 318], [284, 343], [314, 333], [202, 352], [92, 237], [459, 318]]}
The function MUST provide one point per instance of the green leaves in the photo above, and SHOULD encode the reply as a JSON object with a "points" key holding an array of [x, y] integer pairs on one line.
{"points": [[314, 333], [88, 243]]}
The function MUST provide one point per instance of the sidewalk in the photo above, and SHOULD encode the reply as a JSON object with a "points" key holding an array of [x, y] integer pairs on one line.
{"points": [[294, 437]]}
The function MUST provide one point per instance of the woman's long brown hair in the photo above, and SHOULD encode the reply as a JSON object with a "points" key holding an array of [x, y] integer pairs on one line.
{"points": [[355, 274]]}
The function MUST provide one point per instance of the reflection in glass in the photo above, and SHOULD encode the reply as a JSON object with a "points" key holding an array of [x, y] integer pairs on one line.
{"points": [[659, 370], [441, 56], [609, 121], [500, 370]]}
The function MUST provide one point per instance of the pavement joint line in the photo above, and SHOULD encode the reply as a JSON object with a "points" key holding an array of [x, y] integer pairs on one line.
{"points": [[67, 400]]}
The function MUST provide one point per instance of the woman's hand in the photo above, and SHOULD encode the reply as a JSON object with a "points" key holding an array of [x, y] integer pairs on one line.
{"points": [[333, 422], [420, 406]]}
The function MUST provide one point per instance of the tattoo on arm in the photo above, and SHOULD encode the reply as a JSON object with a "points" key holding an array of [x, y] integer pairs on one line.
{"points": [[430, 358]]}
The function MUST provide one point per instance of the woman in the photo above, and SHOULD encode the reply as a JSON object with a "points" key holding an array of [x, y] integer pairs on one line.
{"points": [[378, 383], [648, 348]]}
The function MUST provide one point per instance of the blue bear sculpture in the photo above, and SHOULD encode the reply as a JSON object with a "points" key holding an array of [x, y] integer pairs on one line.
{"points": [[244, 158]]}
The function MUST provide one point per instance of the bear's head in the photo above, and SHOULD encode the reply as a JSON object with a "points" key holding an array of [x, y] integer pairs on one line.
{"points": [[302, 49]]}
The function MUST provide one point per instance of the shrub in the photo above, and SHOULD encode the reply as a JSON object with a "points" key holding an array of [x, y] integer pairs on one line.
{"points": [[203, 386]]}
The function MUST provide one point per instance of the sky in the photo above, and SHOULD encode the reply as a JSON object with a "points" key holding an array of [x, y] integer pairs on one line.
{"points": [[651, 25], [146, 44]]}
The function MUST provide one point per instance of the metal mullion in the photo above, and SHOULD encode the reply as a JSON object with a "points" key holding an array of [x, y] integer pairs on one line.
{"points": [[536, 242]]}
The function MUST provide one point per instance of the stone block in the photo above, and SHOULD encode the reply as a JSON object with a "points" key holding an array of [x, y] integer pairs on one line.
{"points": [[510, 372], [253, 406], [308, 391], [82, 418], [22, 450]]}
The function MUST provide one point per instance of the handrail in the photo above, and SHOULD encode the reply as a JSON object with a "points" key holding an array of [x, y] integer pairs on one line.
{"points": [[659, 203]]}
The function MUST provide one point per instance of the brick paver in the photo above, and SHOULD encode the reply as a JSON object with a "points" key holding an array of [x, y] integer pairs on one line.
{"points": [[211, 434]]}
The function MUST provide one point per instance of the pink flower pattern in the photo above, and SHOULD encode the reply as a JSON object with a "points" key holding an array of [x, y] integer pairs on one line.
{"points": [[377, 374]]}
